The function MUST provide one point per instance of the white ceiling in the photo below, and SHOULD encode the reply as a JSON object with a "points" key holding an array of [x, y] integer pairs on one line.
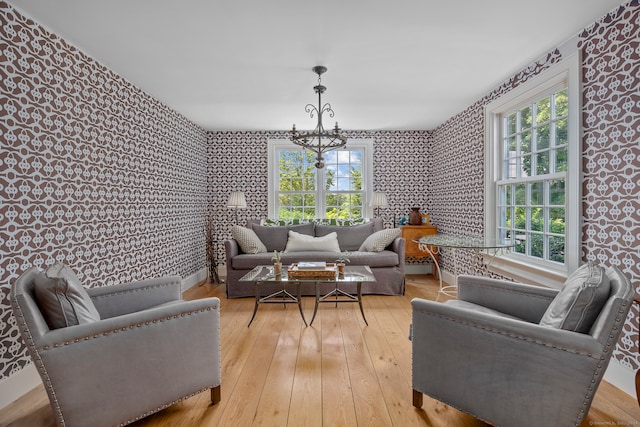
{"points": [[246, 64]]}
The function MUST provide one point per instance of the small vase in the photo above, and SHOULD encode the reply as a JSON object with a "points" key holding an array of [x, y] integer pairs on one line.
{"points": [[277, 268], [414, 217], [340, 268]]}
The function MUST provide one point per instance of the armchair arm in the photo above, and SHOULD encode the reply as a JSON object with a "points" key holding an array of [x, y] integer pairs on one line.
{"points": [[231, 249], [139, 360], [457, 353], [111, 301], [398, 247], [526, 302], [114, 326], [471, 322]]}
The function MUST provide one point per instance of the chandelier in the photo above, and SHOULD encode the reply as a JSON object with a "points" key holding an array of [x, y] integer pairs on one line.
{"points": [[319, 140]]}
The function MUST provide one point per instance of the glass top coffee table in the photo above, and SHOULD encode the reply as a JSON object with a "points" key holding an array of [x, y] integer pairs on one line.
{"points": [[264, 274]]}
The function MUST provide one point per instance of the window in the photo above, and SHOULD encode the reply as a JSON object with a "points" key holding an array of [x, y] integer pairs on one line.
{"points": [[533, 171], [297, 190]]}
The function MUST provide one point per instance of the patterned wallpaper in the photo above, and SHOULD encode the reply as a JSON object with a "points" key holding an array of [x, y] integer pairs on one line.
{"points": [[93, 172], [98, 174], [611, 156], [399, 159], [611, 153]]}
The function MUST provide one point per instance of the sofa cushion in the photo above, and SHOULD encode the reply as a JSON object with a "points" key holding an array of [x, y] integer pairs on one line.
{"points": [[466, 305], [248, 261], [350, 238], [248, 240], [380, 240], [580, 300], [275, 237], [301, 242], [61, 298], [374, 259]]}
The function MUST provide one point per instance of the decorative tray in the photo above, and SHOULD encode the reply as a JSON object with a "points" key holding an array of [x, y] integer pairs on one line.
{"points": [[328, 272]]}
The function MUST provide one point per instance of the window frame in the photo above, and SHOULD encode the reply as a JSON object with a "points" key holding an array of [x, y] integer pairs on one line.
{"points": [[523, 267], [273, 145]]}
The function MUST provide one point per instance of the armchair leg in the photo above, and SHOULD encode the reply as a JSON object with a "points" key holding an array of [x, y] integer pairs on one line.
{"points": [[417, 399], [215, 395]]}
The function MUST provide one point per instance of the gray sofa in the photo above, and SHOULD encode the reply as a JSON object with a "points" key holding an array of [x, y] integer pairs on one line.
{"points": [[387, 266]]}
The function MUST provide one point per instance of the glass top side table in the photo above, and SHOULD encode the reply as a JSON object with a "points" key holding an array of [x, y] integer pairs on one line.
{"points": [[432, 246]]}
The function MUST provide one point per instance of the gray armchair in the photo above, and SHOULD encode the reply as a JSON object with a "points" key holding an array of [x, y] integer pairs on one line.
{"points": [[486, 354], [148, 350]]}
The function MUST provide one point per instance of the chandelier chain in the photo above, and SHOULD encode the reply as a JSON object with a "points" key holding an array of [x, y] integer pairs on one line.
{"points": [[313, 140]]}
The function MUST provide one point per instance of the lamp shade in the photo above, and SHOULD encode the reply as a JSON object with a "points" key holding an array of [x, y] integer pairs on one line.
{"points": [[237, 200], [379, 200]]}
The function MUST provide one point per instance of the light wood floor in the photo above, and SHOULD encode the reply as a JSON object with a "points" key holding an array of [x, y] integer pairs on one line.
{"points": [[337, 373]]}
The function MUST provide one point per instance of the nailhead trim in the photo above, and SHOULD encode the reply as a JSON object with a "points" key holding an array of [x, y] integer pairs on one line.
{"points": [[42, 370], [510, 335], [140, 289], [37, 359], [166, 405], [135, 325], [590, 391]]}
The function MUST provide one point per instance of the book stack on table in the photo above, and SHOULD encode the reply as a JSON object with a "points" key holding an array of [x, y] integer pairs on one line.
{"points": [[312, 265], [312, 270]]}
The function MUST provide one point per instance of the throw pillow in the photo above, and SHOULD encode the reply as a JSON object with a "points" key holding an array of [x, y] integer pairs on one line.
{"points": [[380, 240], [580, 300], [301, 242], [248, 240], [61, 298]]}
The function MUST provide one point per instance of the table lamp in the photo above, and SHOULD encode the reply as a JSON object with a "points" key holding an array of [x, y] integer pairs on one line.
{"points": [[237, 201], [379, 200]]}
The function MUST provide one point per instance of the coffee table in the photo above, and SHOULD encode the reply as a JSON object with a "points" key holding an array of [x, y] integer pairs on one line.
{"points": [[264, 274]]}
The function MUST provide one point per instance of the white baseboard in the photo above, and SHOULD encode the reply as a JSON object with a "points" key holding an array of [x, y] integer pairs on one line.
{"points": [[194, 279], [18, 384], [621, 377], [448, 278], [418, 268]]}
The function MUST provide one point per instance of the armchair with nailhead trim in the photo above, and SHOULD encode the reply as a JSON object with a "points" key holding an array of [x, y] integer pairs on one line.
{"points": [[496, 353], [148, 350]]}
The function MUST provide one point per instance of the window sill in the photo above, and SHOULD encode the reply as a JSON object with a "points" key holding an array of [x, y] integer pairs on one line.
{"points": [[525, 273]]}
